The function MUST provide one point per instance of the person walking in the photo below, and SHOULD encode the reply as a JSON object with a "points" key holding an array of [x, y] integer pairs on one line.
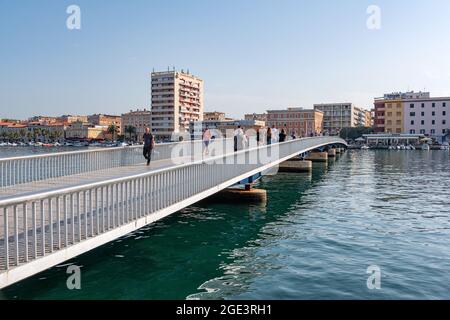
{"points": [[206, 140], [149, 144], [269, 136], [274, 134], [239, 139], [282, 136]]}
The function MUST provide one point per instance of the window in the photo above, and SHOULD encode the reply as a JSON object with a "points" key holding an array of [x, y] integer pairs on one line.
{"points": [[433, 113], [422, 131], [412, 131], [444, 104], [433, 105], [423, 105], [422, 122], [444, 121], [433, 131], [389, 114], [433, 122], [411, 105], [444, 113], [412, 114], [412, 122], [399, 114], [422, 114]]}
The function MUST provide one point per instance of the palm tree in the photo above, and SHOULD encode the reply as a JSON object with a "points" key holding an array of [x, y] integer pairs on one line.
{"points": [[112, 130], [131, 130]]}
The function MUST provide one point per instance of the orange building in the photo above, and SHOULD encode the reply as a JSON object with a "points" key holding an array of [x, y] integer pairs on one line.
{"points": [[298, 121]]}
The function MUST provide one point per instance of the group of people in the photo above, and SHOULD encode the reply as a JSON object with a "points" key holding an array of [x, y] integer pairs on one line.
{"points": [[267, 136]]}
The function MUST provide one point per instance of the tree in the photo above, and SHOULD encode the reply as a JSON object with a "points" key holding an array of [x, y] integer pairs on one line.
{"points": [[131, 130], [112, 130], [355, 133]]}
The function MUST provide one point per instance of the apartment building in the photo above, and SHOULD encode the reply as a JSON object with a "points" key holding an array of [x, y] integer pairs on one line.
{"points": [[412, 113], [106, 120], [225, 127], [256, 116], [298, 121], [177, 100], [85, 131], [71, 119], [214, 116], [428, 116], [139, 119], [343, 115]]}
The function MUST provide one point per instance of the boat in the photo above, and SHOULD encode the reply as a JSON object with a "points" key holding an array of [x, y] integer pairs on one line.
{"points": [[365, 147], [425, 147]]}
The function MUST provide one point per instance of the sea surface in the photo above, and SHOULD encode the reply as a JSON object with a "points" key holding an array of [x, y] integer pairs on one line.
{"points": [[315, 238]]}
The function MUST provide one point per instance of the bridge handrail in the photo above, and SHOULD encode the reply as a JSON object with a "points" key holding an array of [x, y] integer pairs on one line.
{"points": [[19, 170]]}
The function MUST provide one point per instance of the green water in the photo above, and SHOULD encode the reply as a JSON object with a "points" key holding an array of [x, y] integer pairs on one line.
{"points": [[314, 239]]}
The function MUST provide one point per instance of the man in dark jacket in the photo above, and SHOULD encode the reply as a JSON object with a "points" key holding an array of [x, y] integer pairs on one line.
{"points": [[149, 144]]}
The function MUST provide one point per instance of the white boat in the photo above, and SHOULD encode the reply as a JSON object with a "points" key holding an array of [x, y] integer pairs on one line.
{"points": [[425, 147], [365, 147]]}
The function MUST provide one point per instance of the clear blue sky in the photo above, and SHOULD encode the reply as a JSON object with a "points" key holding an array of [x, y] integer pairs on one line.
{"points": [[252, 54]]}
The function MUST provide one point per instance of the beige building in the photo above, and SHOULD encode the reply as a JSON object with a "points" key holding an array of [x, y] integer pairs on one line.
{"points": [[177, 99], [343, 115], [298, 121], [214, 116], [106, 120], [71, 119], [139, 119], [256, 116], [85, 131]]}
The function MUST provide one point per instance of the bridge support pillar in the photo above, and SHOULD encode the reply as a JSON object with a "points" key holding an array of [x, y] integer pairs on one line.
{"points": [[317, 157], [241, 195], [296, 165], [332, 153]]}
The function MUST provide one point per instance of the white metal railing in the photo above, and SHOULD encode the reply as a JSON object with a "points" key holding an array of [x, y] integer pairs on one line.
{"points": [[19, 170], [33, 227]]}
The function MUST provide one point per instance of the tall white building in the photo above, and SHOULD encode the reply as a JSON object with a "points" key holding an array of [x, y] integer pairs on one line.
{"points": [[177, 99], [343, 115]]}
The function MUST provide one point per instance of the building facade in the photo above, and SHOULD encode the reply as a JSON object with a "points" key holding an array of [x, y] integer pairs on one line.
{"points": [[343, 115], [139, 119], [256, 116], [71, 119], [298, 121], [214, 116], [225, 127], [177, 100], [412, 113], [85, 131], [105, 120], [430, 116]]}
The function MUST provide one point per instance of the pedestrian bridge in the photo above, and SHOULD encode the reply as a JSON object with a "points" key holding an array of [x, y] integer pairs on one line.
{"points": [[55, 207]]}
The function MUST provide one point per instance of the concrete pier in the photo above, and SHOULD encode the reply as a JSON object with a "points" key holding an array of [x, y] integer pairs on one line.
{"points": [[317, 157], [332, 153], [296, 165], [241, 195]]}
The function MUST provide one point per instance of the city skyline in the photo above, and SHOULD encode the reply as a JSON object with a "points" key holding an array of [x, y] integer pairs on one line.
{"points": [[297, 54]]}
